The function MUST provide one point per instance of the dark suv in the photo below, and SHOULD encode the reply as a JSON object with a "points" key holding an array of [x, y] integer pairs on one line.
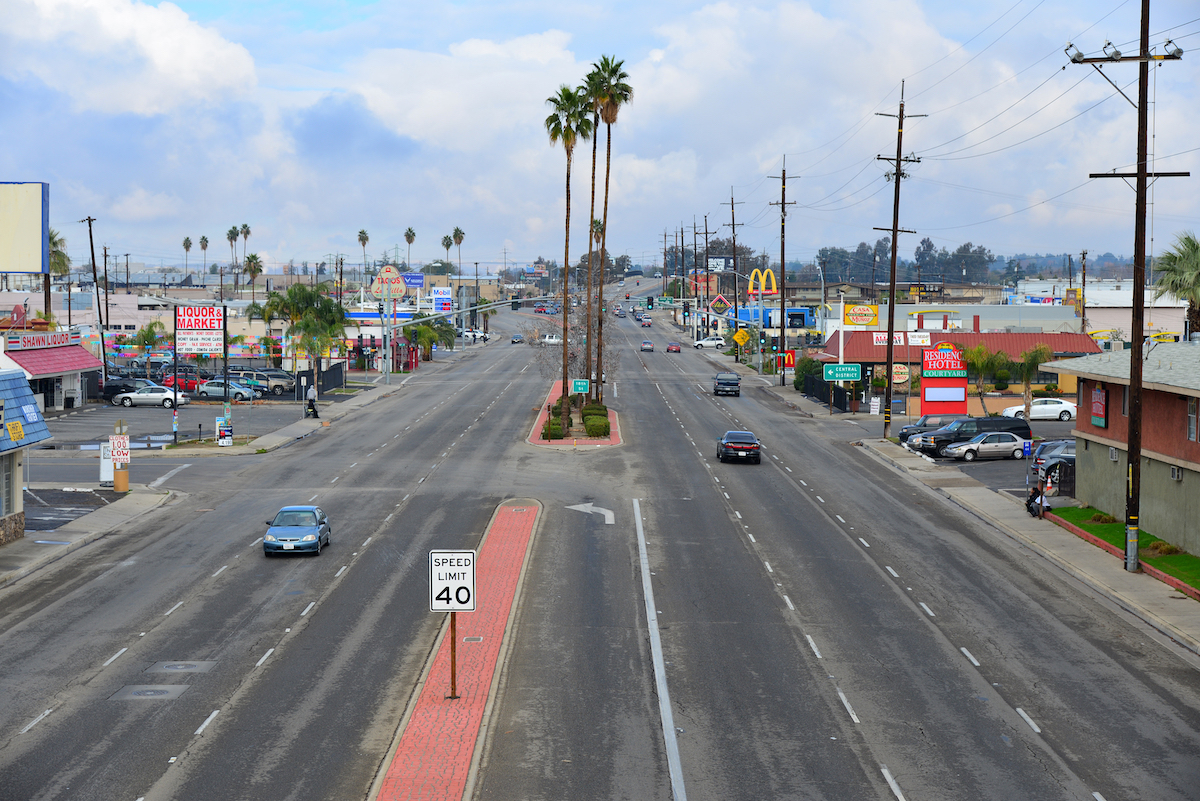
{"points": [[965, 429], [727, 384], [929, 422]]}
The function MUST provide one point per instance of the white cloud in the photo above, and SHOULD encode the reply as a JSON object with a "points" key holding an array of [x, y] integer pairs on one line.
{"points": [[143, 206], [119, 56]]}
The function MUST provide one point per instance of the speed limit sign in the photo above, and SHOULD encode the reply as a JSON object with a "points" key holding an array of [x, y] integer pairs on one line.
{"points": [[451, 581]]}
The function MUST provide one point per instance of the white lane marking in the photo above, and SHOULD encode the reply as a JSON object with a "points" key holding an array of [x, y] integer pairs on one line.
{"points": [[173, 608], [308, 608], [846, 703], [726, 494], [35, 721], [113, 658], [1028, 720], [789, 603], [788, 469], [773, 456], [840, 518], [253, 542], [353, 465], [402, 500], [927, 609], [716, 479], [222, 570], [864, 542], [812, 644], [751, 536], [674, 765], [422, 481], [805, 483], [893, 572], [887, 774], [967, 654], [364, 545], [389, 517], [335, 478], [739, 514], [340, 571], [158, 481], [264, 657], [207, 721], [1098, 797], [769, 568], [819, 498], [313, 498]]}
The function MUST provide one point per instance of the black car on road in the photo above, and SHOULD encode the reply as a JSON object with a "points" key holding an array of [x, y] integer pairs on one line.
{"points": [[727, 384], [928, 422], [739, 445]]}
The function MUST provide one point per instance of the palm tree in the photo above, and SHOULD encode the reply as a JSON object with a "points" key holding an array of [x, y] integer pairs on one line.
{"points": [[614, 92], [567, 124], [592, 87], [458, 236], [314, 320], [245, 232], [187, 248], [253, 269], [1027, 369], [1179, 274], [447, 243], [410, 236], [983, 362], [60, 262], [203, 253], [426, 333], [232, 235], [149, 336], [363, 239]]}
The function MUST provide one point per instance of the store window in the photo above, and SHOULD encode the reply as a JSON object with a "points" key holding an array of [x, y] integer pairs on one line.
{"points": [[1192, 403], [6, 484]]}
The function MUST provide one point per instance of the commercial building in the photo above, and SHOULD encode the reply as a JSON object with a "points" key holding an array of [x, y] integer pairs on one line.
{"points": [[22, 426]]}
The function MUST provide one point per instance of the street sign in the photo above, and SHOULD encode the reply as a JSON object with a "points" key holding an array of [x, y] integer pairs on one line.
{"points": [[1026, 447], [119, 447], [843, 372], [741, 337], [451, 581], [580, 385]]}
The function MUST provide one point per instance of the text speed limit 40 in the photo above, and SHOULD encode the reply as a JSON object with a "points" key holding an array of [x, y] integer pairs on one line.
{"points": [[451, 581]]}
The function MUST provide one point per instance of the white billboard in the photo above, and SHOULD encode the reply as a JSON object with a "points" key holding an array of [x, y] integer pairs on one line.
{"points": [[24, 228]]}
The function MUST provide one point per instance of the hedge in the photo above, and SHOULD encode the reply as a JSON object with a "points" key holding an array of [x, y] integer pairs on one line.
{"points": [[595, 410], [552, 430], [596, 426]]}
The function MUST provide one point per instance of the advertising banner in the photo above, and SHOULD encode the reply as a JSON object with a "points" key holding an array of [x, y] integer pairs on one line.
{"points": [[862, 314], [919, 338], [1100, 407], [414, 280], [880, 337], [442, 298], [200, 329]]}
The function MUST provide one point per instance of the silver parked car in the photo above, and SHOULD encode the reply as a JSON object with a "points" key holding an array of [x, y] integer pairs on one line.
{"points": [[989, 445], [150, 396], [216, 389]]}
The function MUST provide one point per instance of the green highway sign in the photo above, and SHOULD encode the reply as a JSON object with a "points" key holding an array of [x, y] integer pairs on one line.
{"points": [[843, 372], [580, 385]]}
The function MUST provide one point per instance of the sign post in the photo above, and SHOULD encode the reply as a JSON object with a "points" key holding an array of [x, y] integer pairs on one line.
{"points": [[452, 589]]}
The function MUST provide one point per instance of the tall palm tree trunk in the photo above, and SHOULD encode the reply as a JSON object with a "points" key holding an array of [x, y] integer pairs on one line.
{"points": [[587, 358], [603, 256], [564, 406]]}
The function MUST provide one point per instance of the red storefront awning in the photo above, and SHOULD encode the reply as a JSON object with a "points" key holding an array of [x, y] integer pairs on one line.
{"points": [[45, 362]]}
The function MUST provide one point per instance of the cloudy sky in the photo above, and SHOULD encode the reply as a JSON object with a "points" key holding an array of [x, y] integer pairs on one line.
{"points": [[310, 120]]}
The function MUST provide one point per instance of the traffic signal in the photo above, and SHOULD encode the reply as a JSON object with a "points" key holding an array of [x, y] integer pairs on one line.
{"points": [[516, 304], [372, 340], [774, 344], [762, 337], [649, 301], [360, 343]]}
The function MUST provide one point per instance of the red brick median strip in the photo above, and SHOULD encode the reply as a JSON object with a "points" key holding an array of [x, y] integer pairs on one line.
{"points": [[434, 754], [536, 437]]}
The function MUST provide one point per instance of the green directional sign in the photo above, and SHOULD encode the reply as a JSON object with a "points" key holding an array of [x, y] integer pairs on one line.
{"points": [[843, 372], [579, 386]]}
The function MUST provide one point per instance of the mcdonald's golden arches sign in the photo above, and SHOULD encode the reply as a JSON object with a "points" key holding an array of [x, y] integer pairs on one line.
{"points": [[762, 276]]}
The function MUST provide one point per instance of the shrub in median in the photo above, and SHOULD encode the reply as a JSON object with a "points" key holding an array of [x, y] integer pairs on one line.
{"points": [[594, 410], [552, 430], [597, 426]]}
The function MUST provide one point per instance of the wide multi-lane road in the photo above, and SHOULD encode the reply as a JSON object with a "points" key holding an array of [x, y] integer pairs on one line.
{"points": [[823, 627]]}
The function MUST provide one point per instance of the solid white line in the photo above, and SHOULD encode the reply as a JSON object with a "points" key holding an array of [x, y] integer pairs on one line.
{"points": [[113, 658], [846, 703], [158, 481], [927, 609], [860, 539], [264, 657], [214, 575], [893, 572], [1028, 720], [769, 568], [967, 654], [308, 608], [36, 720], [207, 721], [343, 567], [173, 608], [819, 498], [313, 498], [892, 783], [335, 478], [812, 644], [840, 518], [751, 536], [674, 765], [368, 539], [789, 603]]}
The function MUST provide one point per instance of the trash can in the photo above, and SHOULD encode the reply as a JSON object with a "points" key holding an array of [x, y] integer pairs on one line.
{"points": [[121, 480]]}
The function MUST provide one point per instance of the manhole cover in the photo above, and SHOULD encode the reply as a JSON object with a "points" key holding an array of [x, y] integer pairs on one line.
{"points": [[180, 666], [148, 692]]}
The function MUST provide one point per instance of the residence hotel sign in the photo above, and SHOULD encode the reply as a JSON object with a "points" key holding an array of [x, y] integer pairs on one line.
{"points": [[200, 329], [943, 380]]}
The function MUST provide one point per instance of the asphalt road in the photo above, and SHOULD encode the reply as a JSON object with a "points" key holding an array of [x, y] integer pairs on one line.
{"points": [[828, 629]]}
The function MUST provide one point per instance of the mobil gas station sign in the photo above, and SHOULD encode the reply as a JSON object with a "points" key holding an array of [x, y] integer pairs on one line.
{"points": [[943, 380]]}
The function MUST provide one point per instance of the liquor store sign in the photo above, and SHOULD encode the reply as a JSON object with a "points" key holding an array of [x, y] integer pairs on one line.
{"points": [[200, 329], [37, 340]]}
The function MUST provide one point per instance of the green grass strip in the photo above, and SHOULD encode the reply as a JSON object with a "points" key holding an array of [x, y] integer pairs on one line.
{"points": [[1183, 566]]}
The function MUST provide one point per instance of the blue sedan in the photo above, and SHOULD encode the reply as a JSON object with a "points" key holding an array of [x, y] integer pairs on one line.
{"points": [[301, 529]]}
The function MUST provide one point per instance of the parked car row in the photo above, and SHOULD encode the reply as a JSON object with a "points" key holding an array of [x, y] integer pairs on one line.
{"points": [[967, 429]]}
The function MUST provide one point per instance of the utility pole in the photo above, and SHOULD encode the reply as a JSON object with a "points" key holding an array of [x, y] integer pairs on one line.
{"points": [[897, 174], [707, 278], [1133, 458], [783, 204], [96, 285], [695, 274], [1083, 292], [733, 227], [106, 315], [128, 291]]}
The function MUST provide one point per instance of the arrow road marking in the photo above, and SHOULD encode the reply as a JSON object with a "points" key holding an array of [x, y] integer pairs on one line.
{"points": [[610, 518]]}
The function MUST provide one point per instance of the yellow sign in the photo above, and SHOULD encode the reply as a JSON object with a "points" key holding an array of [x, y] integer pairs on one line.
{"points": [[861, 314], [762, 276], [741, 337], [16, 431]]}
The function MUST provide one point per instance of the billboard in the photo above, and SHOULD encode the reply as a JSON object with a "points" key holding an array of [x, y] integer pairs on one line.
{"points": [[200, 329], [720, 264], [414, 280], [24, 227]]}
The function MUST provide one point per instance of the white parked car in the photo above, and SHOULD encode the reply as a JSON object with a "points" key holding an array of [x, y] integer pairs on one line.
{"points": [[550, 339], [1044, 409], [712, 341]]}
